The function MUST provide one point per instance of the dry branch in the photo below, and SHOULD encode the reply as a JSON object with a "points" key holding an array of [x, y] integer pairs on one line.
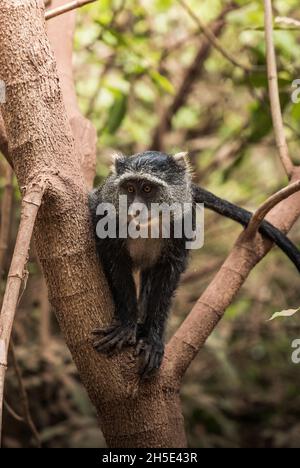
{"points": [[30, 205], [67, 7], [274, 92], [6, 206], [27, 418], [267, 206], [287, 21]]}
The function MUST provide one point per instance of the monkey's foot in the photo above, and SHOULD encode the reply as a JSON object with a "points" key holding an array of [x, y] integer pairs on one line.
{"points": [[114, 337], [151, 352]]}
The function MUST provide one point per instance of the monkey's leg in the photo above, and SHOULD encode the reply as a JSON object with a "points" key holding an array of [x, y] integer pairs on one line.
{"points": [[158, 286], [123, 330]]}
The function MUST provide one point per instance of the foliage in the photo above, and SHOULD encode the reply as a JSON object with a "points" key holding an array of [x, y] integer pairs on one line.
{"points": [[130, 59]]}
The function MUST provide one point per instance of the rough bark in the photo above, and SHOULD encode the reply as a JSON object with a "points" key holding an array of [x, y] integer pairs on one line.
{"points": [[41, 143], [61, 33]]}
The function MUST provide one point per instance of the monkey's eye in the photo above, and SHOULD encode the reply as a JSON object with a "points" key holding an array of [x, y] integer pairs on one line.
{"points": [[147, 189], [130, 188]]}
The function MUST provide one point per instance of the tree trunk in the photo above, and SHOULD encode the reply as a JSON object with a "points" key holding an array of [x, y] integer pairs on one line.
{"points": [[131, 413]]}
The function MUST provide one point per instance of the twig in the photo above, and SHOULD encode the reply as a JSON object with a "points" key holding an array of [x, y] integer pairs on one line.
{"points": [[287, 21], [24, 398], [6, 215], [30, 205], [213, 39], [12, 412], [267, 206], [274, 92], [67, 7], [185, 87]]}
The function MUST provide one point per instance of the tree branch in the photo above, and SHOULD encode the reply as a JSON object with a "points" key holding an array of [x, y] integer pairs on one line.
{"points": [[62, 41], [274, 92], [30, 206], [287, 21], [191, 74], [67, 7], [267, 206], [213, 39], [27, 418], [210, 307]]}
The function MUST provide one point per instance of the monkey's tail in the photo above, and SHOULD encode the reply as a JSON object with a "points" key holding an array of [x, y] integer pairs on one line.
{"points": [[242, 216]]}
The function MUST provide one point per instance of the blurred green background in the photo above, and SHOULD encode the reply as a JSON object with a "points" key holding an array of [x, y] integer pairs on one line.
{"points": [[146, 78]]}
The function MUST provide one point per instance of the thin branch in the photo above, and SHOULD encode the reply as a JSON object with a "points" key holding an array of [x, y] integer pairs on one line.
{"points": [[274, 92], [24, 398], [6, 206], [191, 74], [287, 21], [12, 412], [267, 206], [67, 7], [30, 206], [213, 39]]}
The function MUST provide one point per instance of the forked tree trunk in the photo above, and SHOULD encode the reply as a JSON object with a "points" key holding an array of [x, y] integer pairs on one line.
{"points": [[131, 414]]}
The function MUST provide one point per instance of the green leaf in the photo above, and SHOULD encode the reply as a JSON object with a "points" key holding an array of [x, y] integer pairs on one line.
{"points": [[285, 313], [161, 81], [116, 113]]}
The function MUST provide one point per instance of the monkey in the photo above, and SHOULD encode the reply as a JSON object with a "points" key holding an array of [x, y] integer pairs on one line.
{"points": [[141, 311]]}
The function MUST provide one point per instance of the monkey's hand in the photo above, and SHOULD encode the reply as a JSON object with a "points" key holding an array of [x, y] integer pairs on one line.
{"points": [[114, 337], [151, 351]]}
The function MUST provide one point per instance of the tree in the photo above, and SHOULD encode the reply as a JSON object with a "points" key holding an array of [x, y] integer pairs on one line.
{"points": [[47, 160]]}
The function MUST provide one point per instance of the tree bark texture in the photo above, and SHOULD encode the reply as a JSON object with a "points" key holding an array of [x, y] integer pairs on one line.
{"points": [[41, 144]]}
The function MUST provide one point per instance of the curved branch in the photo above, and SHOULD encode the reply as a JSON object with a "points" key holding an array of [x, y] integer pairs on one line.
{"points": [[267, 206], [210, 307], [274, 92]]}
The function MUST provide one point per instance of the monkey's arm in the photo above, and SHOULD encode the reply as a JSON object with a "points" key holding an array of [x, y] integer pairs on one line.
{"points": [[117, 267], [242, 216]]}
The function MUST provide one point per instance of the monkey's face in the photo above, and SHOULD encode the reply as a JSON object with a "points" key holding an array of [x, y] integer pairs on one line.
{"points": [[147, 179], [142, 194]]}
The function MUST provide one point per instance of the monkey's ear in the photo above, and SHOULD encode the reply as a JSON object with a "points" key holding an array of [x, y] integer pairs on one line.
{"points": [[116, 158], [182, 159]]}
